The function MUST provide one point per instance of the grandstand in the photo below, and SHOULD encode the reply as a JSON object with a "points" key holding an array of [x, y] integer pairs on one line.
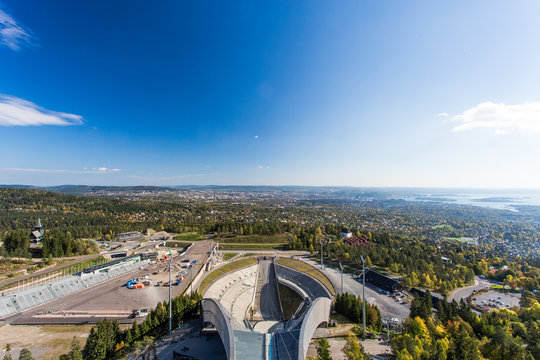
{"points": [[54, 289], [235, 291]]}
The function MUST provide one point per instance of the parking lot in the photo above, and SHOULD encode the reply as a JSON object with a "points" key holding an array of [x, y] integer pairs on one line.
{"points": [[496, 300]]}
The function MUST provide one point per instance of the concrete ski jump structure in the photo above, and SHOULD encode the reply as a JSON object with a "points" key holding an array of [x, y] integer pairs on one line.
{"points": [[245, 309]]}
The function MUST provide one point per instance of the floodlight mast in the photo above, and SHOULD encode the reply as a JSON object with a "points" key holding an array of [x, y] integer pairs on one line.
{"points": [[170, 285], [321, 242], [341, 267], [364, 295]]}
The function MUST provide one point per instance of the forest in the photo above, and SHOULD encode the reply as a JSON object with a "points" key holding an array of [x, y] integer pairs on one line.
{"points": [[410, 240], [455, 332]]}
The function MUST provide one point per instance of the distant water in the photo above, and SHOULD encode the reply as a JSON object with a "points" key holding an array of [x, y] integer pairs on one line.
{"points": [[505, 200]]}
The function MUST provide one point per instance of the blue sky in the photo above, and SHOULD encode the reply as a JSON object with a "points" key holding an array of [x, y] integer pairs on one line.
{"points": [[356, 93]]}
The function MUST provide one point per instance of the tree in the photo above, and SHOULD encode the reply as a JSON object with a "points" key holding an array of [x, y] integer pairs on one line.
{"points": [[323, 350], [421, 306], [7, 355], [95, 348], [16, 243], [25, 354], [352, 349], [135, 331], [75, 352]]}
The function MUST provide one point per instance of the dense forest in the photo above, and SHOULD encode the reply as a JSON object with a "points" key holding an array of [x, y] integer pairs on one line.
{"points": [[93, 217], [454, 332], [410, 240]]}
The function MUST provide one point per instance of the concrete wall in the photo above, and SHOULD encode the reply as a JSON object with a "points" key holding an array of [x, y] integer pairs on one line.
{"points": [[318, 313], [311, 286], [214, 313]]}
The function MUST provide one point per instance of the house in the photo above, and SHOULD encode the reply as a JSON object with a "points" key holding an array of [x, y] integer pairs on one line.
{"points": [[36, 236], [346, 233], [358, 240]]}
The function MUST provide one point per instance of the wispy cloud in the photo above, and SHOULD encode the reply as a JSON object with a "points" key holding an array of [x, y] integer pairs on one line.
{"points": [[263, 167], [101, 170], [12, 34], [165, 178], [256, 137], [18, 112], [501, 118]]}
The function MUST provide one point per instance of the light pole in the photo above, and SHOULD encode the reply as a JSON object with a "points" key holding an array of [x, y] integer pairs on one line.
{"points": [[170, 285], [341, 267], [364, 295], [191, 280], [320, 242]]}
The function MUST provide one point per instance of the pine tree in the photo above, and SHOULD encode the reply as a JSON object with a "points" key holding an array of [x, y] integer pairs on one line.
{"points": [[128, 337], [323, 350], [352, 349], [96, 347], [7, 355], [25, 354], [75, 352], [135, 332]]}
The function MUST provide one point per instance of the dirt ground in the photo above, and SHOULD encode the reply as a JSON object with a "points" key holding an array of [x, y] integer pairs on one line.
{"points": [[45, 342], [337, 337]]}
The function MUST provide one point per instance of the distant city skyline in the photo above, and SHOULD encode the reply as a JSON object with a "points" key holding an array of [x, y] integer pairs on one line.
{"points": [[355, 93]]}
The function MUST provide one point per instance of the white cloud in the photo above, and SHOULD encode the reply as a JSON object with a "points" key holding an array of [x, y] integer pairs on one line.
{"points": [[18, 112], [443, 114], [501, 118], [256, 137], [12, 34], [166, 178], [101, 170]]}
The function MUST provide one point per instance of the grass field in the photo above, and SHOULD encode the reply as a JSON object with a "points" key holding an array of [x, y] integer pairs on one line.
{"points": [[242, 246], [460, 239], [229, 256], [290, 300], [444, 226], [235, 265], [10, 267], [309, 270], [190, 236], [255, 239], [178, 244]]}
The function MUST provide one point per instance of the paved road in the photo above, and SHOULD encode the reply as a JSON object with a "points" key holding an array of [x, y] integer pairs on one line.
{"points": [[388, 306], [268, 301], [270, 252], [464, 292], [112, 295]]}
